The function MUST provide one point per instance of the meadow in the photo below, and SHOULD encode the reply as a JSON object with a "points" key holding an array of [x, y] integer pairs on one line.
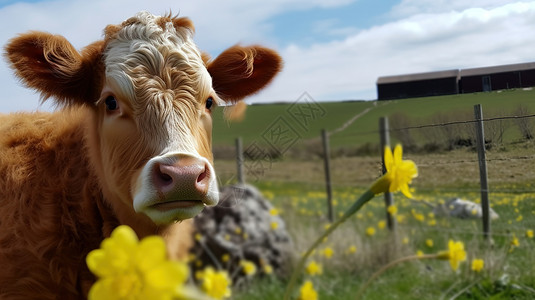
{"points": [[359, 247]]}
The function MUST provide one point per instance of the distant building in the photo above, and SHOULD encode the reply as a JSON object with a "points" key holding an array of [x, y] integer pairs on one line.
{"points": [[497, 78], [456, 81], [418, 85]]}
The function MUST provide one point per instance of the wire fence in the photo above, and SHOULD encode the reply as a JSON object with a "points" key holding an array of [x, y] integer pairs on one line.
{"points": [[455, 174]]}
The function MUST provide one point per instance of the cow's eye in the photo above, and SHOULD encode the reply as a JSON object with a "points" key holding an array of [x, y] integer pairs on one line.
{"points": [[209, 103], [111, 103]]}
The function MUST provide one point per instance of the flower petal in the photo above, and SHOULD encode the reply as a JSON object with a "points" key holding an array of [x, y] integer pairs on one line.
{"points": [[168, 275], [398, 154], [150, 253], [98, 263], [102, 290]]}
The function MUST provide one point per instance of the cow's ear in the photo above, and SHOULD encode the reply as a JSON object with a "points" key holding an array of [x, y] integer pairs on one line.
{"points": [[52, 66], [242, 71]]}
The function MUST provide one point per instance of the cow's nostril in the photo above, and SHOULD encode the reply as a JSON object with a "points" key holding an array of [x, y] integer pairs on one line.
{"points": [[164, 177], [202, 176], [161, 177]]}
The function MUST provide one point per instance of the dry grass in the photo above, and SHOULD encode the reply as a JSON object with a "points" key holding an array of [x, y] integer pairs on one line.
{"points": [[459, 168]]}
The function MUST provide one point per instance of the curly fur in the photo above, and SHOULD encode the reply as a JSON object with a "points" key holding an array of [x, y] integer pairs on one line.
{"points": [[66, 177]]}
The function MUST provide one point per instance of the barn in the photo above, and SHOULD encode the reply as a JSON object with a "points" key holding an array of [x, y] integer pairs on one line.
{"points": [[418, 85], [451, 82], [497, 78]]}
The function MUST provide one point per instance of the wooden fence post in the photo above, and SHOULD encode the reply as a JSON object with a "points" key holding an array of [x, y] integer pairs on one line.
{"points": [[385, 141], [480, 138], [327, 165], [239, 160]]}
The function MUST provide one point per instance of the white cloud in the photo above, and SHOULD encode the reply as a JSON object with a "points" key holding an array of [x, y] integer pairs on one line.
{"points": [[414, 7], [348, 69]]}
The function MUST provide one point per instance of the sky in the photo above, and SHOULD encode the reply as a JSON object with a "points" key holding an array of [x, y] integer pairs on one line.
{"points": [[334, 50]]}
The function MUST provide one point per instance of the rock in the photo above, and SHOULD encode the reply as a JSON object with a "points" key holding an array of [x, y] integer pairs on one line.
{"points": [[241, 227], [462, 209]]}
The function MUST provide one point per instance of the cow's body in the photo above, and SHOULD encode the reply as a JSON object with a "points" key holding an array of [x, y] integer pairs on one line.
{"points": [[70, 177]]}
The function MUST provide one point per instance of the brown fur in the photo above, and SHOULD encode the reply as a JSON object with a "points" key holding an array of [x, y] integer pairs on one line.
{"points": [[58, 197]]}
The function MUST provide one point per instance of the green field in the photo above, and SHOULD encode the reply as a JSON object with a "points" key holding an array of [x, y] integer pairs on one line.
{"points": [[259, 118], [295, 185]]}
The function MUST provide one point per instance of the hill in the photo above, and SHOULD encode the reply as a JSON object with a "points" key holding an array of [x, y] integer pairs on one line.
{"points": [[356, 122]]}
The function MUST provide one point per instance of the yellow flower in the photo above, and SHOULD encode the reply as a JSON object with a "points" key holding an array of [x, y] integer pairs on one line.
{"points": [[399, 173], [237, 230], [529, 233], [392, 210], [129, 269], [370, 231], [419, 253], [352, 250], [274, 212], [314, 268], [327, 252], [215, 284], [307, 291], [274, 225], [198, 237], [381, 224], [268, 269], [477, 265], [515, 242], [225, 257], [455, 254], [429, 243], [405, 241], [249, 268]]}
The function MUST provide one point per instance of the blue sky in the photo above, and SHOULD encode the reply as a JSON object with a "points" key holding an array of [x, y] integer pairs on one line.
{"points": [[333, 49]]}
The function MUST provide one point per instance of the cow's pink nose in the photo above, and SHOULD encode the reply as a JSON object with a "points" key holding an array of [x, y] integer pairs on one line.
{"points": [[186, 179]]}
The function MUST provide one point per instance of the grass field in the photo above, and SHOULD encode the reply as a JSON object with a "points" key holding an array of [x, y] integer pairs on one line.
{"points": [[296, 187], [331, 116]]}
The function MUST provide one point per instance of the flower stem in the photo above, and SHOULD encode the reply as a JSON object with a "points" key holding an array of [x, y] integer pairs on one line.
{"points": [[390, 265], [367, 196]]}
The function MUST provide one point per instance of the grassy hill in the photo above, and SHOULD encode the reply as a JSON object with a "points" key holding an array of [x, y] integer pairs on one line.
{"points": [[430, 110]]}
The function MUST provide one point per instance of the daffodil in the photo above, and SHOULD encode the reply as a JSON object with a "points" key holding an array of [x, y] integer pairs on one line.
{"points": [[455, 254], [268, 269], [477, 265], [313, 268], [248, 267], [398, 176], [215, 284], [307, 291], [327, 252], [392, 209], [129, 269], [399, 173]]}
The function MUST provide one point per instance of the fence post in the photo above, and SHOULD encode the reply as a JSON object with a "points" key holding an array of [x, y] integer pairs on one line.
{"points": [[239, 160], [327, 165], [385, 141], [480, 138]]}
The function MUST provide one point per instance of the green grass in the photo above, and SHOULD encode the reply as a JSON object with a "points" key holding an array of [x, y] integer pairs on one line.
{"points": [[303, 208], [259, 118], [297, 189]]}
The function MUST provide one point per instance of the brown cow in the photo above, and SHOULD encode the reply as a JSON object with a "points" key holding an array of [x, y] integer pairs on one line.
{"points": [[131, 145]]}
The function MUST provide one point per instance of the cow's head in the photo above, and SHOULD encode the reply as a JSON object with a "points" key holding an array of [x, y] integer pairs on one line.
{"points": [[152, 93]]}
